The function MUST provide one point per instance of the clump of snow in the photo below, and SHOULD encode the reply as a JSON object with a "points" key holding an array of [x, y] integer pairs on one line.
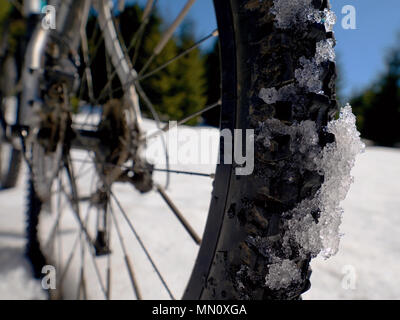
{"points": [[310, 72], [325, 51], [309, 75], [271, 95], [294, 12], [314, 224], [329, 19], [334, 163], [303, 133], [282, 274], [291, 12]]}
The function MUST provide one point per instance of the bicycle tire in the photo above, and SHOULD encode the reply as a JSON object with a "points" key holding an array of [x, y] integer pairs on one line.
{"points": [[257, 54], [228, 266]]}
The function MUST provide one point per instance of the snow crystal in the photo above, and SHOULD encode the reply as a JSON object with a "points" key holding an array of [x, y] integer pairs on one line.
{"points": [[329, 19], [294, 12], [291, 12], [334, 163], [271, 95], [309, 75], [325, 51], [281, 274], [310, 72], [304, 134], [314, 223]]}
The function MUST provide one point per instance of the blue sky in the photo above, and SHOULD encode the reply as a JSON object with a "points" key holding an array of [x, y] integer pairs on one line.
{"points": [[361, 52]]}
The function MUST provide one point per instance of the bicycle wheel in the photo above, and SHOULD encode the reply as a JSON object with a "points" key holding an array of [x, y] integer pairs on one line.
{"points": [[10, 157], [277, 79]]}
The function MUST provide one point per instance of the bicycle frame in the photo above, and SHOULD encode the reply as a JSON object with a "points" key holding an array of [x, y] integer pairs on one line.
{"points": [[72, 16]]}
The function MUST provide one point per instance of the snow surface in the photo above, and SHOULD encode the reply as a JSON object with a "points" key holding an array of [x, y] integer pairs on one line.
{"points": [[366, 266], [15, 274]]}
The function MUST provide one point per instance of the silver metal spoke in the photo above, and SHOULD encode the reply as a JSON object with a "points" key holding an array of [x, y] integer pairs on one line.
{"points": [[49, 242], [208, 175], [108, 275], [121, 209], [150, 6], [166, 64], [73, 199], [83, 229], [156, 117], [69, 259], [82, 281], [89, 244], [183, 121], [76, 242], [191, 173], [97, 271], [168, 34], [128, 263], [179, 215], [75, 209], [88, 72]]}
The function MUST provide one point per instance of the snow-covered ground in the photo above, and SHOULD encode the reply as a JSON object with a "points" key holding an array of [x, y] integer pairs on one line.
{"points": [[368, 261], [15, 275], [365, 268]]}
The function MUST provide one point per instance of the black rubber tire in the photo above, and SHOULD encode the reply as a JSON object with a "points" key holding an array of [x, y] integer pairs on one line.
{"points": [[228, 266], [9, 178], [256, 54], [33, 251]]}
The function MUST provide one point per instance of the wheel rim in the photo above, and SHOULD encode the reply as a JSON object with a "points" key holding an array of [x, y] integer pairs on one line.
{"points": [[73, 169]]}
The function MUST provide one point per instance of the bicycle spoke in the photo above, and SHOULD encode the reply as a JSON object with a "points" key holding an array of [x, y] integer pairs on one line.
{"points": [[191, 173], [108, 276], [49, 242], [184, 53], [150, 5], [58, 236], [88, 72], [76, 242], [69, 259], [141, 244], [128, 264], [179, 215], [183, 121], [156, 117], [89, 243], [109, 72], [97, 271], [82, 281], [75, 210], [137, 78], [168, 34], [18, 6]]}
